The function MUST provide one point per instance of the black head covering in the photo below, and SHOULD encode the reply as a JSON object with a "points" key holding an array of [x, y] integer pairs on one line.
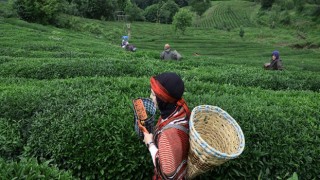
{"points": [[175, 87]]}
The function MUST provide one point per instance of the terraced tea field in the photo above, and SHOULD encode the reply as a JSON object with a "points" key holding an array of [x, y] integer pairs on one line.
{"points": [[65, 95]]}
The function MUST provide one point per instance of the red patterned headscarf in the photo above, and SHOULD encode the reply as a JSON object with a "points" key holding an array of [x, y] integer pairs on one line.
{"points": [[175, 97]]}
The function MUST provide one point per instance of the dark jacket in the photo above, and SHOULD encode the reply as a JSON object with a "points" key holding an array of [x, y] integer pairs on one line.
{"points": [[130, 47], [169, 54], [275, 65]]}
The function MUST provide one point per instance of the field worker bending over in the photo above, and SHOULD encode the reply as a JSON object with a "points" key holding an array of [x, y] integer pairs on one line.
{"points": [[169, 145], [169, 54], [124, 41], [130, 47], [276, 62]]}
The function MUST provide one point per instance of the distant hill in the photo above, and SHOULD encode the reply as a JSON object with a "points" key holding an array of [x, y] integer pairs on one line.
{"points": [[229, 15]]}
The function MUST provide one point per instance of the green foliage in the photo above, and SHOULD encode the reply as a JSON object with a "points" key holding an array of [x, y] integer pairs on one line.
{"points": [[274, 15], [7, 10], [100, 8], [266, 4], [182, 20], [63, 21], [114, 35], [228, 15], [50, 69], [241, 32], [279, 15], [39, 11], [65, 96], [293, 177], [167, 11], [151, 13], [29, 168], [93, 28], [181, 3], [288, 4], [134, 12], [285, 18], [200, 6], [72, 8], [70, 130], [77, 119], [95, 9], [316, 12], [299, 4], [143, 4], [10, 140]]}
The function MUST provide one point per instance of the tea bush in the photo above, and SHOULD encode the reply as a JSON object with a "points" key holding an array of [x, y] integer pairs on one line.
{"points": [[10, 140], [85, 126], [216, 72], [280, 129], [29, 168]]}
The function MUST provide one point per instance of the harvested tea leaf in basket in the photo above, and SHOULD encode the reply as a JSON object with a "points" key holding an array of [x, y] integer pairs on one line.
{"points": [[144, 111], [141, 113]]}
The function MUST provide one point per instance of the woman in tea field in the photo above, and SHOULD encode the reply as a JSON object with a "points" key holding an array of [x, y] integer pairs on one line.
{"points": [[169, 145], [276, 62], [124, 41]]}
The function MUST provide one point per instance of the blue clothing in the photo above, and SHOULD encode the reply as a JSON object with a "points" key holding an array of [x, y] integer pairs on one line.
{"points": [[276, 54]]}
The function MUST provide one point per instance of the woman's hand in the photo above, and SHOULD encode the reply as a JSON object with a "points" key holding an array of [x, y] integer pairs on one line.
{"points": [[148, 137]]}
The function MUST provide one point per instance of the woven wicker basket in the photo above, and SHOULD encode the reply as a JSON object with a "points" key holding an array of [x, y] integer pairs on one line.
{"points": [[149, 123], [215, 137]]}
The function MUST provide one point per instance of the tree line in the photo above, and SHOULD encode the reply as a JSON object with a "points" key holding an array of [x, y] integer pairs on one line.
{"points": [[161, 11], [46, 12]]}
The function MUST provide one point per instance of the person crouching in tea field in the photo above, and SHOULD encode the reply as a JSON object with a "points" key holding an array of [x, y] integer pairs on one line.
{"points": [[130, 47], [125, 41], [276, 62], [169, 146]]}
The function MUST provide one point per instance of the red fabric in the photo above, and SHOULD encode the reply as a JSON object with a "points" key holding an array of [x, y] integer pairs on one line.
{"points": [[173, 147], [163, 94]]}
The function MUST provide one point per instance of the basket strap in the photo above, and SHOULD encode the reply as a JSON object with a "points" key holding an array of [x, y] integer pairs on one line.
{"points": [[177, 126]]}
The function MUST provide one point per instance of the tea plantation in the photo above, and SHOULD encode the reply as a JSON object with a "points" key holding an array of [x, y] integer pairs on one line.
{"points": [[65, 96]]}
